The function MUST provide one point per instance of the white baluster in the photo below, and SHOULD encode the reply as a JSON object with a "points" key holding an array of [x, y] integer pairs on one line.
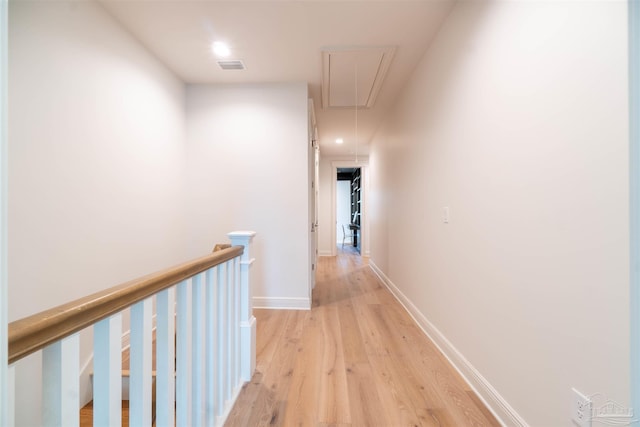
{"points": [[221, 341], [230, 329], [236, 304], [140, 364], [197, 349], [107, 368], [231, 316], [183, 359], [10, 408], [210, 351], [165, 359], [247, 321], [60, 382]]}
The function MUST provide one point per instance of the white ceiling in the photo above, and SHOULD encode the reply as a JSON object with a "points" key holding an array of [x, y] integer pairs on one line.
{"points": [[282, 41]]}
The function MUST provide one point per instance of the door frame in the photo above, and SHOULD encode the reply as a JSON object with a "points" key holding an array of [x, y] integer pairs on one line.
{"points": [[365, 243], [634, 198], [313, 158], [5, 404]]}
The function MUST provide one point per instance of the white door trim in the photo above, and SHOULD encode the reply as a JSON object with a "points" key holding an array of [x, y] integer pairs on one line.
{"points": [[634, 197], [4, 65], [313, 158], [364, 225]]}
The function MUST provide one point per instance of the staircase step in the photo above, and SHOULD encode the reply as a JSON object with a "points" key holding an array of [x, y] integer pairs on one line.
{"points": [[126, 373], [86, 414]]}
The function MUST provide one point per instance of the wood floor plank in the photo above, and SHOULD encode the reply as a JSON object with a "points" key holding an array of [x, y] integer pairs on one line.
{"points": [[267, 406], [302, 398], [395, 401], [481, 406], [375, 343], [333, 401], [270, 324], [353, 345], [282, 368], [365, 405], [355, 359], [439, 388]]}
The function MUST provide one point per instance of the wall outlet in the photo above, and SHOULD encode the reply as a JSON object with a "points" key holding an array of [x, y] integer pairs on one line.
{"points": [[580, 409]]}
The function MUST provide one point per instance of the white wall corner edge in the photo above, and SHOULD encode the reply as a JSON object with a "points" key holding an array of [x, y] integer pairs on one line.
{"points": [[505, 414], [284, 303]]}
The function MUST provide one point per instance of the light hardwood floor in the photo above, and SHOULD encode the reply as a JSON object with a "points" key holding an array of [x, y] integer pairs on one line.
{"points": [[355, 359]]}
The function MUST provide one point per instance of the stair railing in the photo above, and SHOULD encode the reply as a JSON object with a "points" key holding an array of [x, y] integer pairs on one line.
{"points": [[203, 314]]}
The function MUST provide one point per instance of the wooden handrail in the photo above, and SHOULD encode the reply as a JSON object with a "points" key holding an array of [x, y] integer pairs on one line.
{"points": [[33, 333]]}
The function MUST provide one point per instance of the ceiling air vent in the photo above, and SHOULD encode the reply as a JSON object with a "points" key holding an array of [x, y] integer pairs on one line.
{"points": [[234, 64]]}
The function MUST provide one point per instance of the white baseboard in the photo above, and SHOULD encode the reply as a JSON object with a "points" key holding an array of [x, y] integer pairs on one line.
{"points": [[282, 303], [228, 406], [328, 253], [505, 414]]}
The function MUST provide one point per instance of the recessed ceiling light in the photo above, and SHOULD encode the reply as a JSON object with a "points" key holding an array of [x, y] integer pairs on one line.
{"points": [[221, 49], [339, 141]]}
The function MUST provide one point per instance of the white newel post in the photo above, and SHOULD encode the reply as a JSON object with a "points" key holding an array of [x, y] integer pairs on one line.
{"points": [[247, 321]]}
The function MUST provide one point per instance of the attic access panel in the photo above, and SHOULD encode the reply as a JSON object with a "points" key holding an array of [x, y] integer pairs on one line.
{"points": [[342, 68]]}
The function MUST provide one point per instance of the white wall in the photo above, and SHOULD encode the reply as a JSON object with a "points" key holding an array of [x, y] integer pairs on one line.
{"points": [[248, 169], [517, 120], [96, 144]]}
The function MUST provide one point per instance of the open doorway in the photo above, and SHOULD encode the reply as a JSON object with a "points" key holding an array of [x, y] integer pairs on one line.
{"points": [[348, 210]]}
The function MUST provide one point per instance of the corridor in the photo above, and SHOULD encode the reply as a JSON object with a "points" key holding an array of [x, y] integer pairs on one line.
{"points": [[355, 359]]}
